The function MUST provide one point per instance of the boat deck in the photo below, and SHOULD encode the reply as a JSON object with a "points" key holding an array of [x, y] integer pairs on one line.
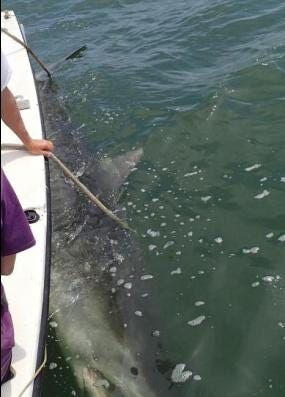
{"points": [[26, 288]]}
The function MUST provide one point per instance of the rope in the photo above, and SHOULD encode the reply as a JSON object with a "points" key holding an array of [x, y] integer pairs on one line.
{"points": [[77, 182], [4, 30], [36, 374]]}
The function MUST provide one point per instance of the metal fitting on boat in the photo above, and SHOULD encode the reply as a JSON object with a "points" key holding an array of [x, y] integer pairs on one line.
{"points": [[32, 216]]}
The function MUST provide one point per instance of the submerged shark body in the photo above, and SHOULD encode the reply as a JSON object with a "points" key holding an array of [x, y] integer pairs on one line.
{"points": [[97, 299]]}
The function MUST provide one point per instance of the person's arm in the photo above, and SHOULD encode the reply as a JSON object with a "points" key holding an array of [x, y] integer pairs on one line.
{"points": [[7, 264], [12, 118]]}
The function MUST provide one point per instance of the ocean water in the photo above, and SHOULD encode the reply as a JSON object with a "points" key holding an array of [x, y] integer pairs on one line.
{"points": [[200, 86]]}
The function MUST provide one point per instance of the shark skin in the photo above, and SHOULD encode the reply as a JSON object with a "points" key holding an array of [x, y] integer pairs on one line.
{"points": [[96, 268]]}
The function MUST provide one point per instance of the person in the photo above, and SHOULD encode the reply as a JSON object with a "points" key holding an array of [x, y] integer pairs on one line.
{"points": [[11, 115], [16, 236]]}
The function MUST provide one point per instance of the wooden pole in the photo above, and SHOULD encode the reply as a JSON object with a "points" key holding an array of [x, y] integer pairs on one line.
{"points": [[77, 182], [87, 192]]}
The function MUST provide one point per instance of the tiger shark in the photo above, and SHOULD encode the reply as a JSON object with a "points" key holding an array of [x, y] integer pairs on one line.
{"points": [[97, 299]]}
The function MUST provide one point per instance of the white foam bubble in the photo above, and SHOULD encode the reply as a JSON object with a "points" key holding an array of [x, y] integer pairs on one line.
{"points": [[268, 279], [253, 167], [199, 303], [151, 247], [262, 195], [269, 235], [218, 240], [146, 277], [282, 238], [53, 324], [153, 233], [138, 313], [197, 377], [179, 375], [191, 173], [255, 284], [206, 198], [53, 366], [168, 244], [197, 321], [253, 250], [177, 271], [119, 258], [128, 285]]}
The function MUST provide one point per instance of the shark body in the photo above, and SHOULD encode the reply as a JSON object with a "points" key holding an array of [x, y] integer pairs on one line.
{"points": [[96, 293]]}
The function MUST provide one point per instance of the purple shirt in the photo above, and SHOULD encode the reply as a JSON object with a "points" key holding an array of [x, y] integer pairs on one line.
{"points": [[16, 236]]}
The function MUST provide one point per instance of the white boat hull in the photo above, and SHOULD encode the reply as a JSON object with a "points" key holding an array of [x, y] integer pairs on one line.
{"points": [[27, 289]]}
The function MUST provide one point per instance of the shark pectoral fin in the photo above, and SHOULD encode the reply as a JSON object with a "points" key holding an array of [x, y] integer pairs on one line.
{"points": [[126, 164], [113, 172], [52, 67]]}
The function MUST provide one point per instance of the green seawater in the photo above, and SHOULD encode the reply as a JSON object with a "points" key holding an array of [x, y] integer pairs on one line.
{"points": [[200, 86]]}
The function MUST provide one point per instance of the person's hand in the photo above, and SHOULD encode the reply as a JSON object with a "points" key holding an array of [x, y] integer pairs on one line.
{"points": [[40, 146]]}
